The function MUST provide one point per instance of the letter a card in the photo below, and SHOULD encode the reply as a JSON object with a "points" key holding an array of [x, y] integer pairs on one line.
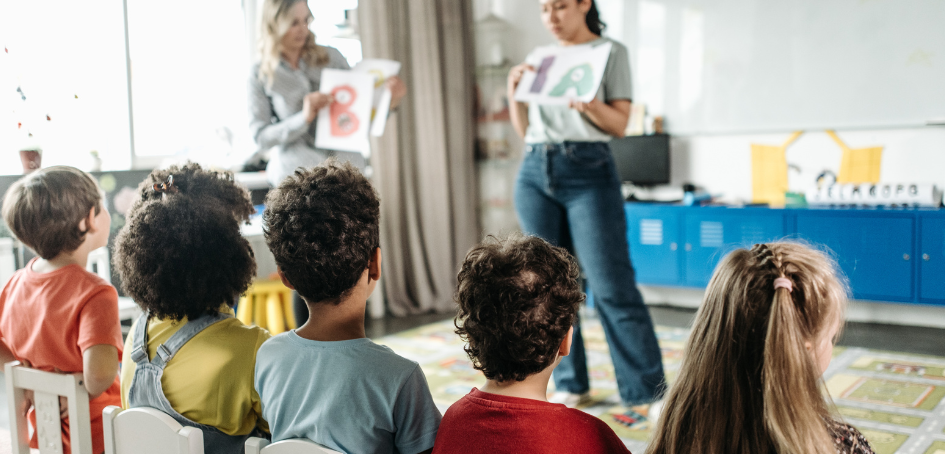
{"points": [[344, 124], [563, 74]]}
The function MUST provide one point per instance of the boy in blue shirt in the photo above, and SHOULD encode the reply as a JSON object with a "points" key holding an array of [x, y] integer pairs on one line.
{"points": [[326, 381]]}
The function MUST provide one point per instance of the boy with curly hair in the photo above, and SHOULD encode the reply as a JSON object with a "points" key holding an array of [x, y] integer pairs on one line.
{"points": [[55, 315], [183, 260], [517, 299], [326, 381]]}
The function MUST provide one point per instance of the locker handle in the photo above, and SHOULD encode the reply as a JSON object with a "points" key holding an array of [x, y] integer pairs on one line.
{"points": [[906, 257], [673, 246], [688, 247], [926, 257]]}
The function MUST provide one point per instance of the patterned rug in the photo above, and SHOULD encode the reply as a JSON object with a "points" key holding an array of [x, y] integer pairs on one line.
{"points": [[895, 399]]}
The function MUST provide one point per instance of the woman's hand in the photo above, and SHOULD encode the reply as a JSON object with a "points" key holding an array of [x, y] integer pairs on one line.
{"points": [[610, 117], [313, 102], [515, 76], [398, 89]]}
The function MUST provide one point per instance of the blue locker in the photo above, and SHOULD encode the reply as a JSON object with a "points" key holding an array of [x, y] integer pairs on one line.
{"points": [[932, 260], [876, 252], [653, 236], [711, 233]]}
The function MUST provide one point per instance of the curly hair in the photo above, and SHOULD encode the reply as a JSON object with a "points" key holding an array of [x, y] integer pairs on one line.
{"points": [[322, 224], [181, 253], [517, 300], [44, 209]]}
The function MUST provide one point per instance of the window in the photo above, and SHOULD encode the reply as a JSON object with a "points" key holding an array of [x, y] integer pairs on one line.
{"points": [[189, 69], [63, 84]]}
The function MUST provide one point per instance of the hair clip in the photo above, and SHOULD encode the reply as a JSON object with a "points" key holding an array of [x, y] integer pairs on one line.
{"points": [[166, 187], [783, 282]]}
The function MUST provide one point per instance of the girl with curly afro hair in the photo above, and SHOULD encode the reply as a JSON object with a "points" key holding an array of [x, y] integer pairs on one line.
{"points": [[183, 260]]}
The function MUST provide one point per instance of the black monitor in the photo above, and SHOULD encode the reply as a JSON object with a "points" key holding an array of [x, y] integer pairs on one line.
{"points": [[642, 160]]}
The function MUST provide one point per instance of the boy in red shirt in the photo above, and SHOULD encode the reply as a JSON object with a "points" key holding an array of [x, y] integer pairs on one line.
{"points": [[517, 301], [55, 315]]}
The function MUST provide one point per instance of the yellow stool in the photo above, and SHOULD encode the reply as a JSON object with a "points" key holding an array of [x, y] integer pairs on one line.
{"points": [[267, 304]]}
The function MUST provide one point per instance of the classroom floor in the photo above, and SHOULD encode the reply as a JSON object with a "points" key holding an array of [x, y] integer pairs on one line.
{"points": [[884, 379], [887, 380]]}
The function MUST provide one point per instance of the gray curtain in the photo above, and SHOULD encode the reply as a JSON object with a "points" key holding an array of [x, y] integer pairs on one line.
{"points": [[424, 165]]}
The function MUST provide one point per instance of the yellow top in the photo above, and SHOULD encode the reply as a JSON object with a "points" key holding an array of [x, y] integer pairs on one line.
{"points": [[210, 380]]}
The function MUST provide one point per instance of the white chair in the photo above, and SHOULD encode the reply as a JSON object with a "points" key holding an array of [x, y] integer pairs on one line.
{"points": [[148, 431], [47, 387], [295, 446], [98, 264]]}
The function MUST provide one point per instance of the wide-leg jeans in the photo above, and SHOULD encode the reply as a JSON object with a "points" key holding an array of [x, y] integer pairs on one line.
{"points": [[569, 194]]}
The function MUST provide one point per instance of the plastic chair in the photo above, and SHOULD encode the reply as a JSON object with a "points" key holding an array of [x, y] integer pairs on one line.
{"points": [[47, 387], [267, 304], [148, 431], [294, 446], [98, 264]]}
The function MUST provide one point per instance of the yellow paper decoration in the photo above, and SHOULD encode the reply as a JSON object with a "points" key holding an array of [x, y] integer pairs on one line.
{"points": [[769, 172], [859, 165]]}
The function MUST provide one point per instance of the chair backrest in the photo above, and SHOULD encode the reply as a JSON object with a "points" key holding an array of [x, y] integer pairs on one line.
{"points": [[295, 446], [47, 387], [98, 263], [7, 260], [148, 431]]}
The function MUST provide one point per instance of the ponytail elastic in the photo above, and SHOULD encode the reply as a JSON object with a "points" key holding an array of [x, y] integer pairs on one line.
{"points": [[783, 282]]}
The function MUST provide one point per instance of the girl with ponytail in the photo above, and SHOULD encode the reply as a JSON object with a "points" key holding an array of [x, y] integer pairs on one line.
{"points": [[750, 377]]}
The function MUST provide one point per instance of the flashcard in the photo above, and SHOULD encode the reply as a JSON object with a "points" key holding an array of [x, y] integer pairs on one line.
{"points": [[343, 125], [381, 69], [564, 74]]}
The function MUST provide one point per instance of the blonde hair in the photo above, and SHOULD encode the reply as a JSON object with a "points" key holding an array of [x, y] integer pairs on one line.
{"points": [[748, 384], [274, 23]]}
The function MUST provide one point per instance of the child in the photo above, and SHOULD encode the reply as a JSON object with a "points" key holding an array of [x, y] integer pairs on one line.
{"points": [[325, 381], [55, 315], [761, 341], [518, 299], [183, 260]]}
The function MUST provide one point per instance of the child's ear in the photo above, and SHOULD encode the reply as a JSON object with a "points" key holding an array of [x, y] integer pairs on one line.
{"points": [[87, 224], [374, 267], [565, 348], [285, 281]]}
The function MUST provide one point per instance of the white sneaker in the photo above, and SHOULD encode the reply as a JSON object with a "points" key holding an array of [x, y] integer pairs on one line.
{"points": [[656, 408], [570, 399]]}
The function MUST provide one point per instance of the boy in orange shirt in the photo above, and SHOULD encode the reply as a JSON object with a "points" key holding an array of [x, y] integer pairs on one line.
{"points": [[55, 315]]}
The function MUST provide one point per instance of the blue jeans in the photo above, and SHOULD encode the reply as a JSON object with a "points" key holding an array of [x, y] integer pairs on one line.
{"points": [[569, 194]]}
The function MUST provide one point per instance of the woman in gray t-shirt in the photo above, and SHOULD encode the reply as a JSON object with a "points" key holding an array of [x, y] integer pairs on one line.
{"points": [[568, 193], [283, 90]]}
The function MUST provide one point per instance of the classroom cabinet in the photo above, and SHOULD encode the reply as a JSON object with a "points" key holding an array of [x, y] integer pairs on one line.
{"points": [[875, 253], [653, 235], [887, 255], [709, 236], [931, 259]]}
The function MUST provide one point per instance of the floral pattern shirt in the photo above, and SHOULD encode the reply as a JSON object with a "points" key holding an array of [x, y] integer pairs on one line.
{"points": [[847, 439]]}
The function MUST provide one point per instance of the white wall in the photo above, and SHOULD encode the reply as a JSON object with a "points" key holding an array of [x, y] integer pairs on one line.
{"points": [[722, 163]]}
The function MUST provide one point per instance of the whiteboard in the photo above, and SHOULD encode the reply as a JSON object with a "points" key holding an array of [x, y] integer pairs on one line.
{"points": [[741, 66]]}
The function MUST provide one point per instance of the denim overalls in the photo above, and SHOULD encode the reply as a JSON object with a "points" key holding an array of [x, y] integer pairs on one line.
{"points": [[146, 390]]}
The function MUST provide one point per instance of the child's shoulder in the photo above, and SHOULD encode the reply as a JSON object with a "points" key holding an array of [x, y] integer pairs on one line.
{"points": [[364, 351]]}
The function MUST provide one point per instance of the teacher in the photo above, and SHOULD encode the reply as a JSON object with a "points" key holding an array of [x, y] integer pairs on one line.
{"points": [[284, 99], [568, 193], [283, 90]]}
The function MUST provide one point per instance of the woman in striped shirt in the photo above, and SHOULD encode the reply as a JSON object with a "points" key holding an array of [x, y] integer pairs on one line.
{"points": [[283, 90]]}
